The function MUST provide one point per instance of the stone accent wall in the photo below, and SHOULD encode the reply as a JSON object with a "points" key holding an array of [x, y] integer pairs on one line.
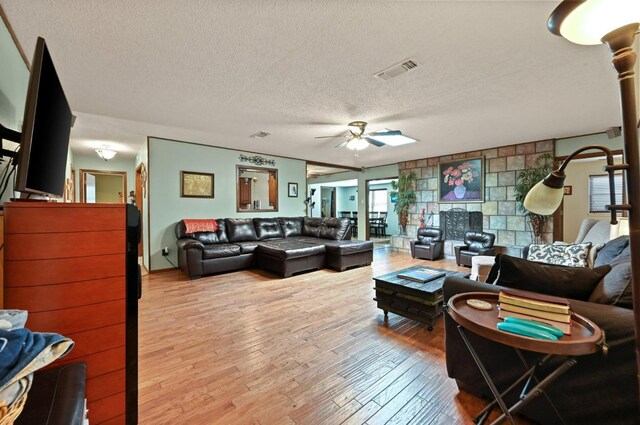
{"points": [[500, 213]]}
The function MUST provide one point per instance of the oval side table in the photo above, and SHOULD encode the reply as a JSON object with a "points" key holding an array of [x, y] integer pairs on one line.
{"points": [[586, 338]]}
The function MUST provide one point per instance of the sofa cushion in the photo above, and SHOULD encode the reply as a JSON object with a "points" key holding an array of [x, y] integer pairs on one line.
{"points": [[219, 236], [572, 255], [220, 251], [288, 249], [347, 247], [615, 288], [311, 226], [291, 226], [335, 228], [247, 247], [241, 229], [267, 228], [611, 250], [570, 282]]}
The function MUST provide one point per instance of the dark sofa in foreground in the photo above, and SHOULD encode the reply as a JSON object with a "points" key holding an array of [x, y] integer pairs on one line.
{"points": [[599, 389], [284, 245]]}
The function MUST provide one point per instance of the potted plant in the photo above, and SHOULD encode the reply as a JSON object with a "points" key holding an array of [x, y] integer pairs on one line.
{"points": [[405, 196], [526, 179]]}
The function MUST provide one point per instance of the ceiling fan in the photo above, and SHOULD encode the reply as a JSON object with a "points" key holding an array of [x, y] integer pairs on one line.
{"points": [[356, 139]]}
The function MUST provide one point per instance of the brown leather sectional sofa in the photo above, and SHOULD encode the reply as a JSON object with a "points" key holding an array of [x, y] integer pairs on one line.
{"points": [[284, 245]]}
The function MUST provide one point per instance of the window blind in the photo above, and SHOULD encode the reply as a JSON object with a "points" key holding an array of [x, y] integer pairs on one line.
{"points": [[599, 196]]}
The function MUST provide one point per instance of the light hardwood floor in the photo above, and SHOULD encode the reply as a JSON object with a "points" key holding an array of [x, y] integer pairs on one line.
{"points": [[250, 348]]}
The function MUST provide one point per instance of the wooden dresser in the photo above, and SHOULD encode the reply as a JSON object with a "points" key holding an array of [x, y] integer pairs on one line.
{"points": [[65, 264]]}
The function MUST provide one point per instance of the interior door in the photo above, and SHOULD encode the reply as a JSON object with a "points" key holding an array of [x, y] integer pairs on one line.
{"points": [[90, 188]]}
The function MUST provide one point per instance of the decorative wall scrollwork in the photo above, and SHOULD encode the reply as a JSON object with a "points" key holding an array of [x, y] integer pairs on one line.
{"points": [[257, 160]]}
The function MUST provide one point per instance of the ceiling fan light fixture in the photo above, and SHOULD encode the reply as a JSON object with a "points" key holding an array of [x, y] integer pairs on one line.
{"points": [[357, 127], [357, 143]]}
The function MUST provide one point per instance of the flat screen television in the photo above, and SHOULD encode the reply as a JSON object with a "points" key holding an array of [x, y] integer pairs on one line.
{"points": [[44, 143]]}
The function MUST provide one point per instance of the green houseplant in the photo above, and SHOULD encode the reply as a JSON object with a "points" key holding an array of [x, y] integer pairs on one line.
{"points": [[525, 180], [405, 196]]}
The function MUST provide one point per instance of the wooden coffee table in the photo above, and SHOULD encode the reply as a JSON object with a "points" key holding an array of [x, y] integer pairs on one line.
{"points": [[586, 338], [418, 301]]}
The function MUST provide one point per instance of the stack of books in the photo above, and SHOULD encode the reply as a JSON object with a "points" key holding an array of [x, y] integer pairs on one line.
{"points": [[547, 309]]}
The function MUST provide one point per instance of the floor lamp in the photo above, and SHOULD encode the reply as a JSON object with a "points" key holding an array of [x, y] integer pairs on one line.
{"points": [[613, 23]]}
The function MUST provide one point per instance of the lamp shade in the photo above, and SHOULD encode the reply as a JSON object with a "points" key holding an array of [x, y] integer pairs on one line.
{"points": [[357, 143], [542, 199], [587, 22]]}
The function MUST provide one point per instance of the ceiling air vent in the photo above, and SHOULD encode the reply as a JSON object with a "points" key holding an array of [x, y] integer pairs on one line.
{"points": [[260, 135], [396, 70]]}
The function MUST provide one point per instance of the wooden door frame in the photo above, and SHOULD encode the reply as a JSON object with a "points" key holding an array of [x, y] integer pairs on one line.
{"points": [[139, 203]]}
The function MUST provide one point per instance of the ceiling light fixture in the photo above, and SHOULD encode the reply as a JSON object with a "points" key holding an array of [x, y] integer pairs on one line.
{"points": [[106, 153], [357, 144]]}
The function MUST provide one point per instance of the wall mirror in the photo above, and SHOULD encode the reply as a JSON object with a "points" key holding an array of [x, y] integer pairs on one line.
{"points": [[103, 187], [257, 189]]}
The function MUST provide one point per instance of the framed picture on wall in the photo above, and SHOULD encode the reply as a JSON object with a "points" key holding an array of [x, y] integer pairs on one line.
{"points": [[461, 180], [196, 185], [292, 190]]}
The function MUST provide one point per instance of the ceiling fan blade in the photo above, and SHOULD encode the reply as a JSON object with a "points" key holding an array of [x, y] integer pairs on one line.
{"points": [[385, 133], [343, 134], [374, 142], [343, 144]]}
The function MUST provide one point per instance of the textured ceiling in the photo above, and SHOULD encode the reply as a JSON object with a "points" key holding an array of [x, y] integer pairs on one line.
{"points": [[489, 73]]}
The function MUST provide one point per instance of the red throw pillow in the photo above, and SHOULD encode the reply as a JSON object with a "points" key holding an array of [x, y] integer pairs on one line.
{"points": [[194, 225]]}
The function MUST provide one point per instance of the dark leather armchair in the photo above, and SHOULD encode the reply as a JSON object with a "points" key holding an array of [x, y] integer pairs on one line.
{"points": [[475, 243], [429, 245]]}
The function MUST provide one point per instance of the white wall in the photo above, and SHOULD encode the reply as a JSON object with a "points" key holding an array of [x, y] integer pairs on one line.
{"points": [[166, 158]]}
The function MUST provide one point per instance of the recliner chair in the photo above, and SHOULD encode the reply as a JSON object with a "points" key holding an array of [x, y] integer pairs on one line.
{"points": [[475, 243], [429, 245]]}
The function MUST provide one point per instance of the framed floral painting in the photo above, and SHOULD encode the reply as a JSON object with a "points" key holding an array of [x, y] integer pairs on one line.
{"points": [[461, 180]]}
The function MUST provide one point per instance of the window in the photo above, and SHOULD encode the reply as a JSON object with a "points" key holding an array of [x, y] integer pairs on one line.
{"points": [[378, 200], [599, 196]]}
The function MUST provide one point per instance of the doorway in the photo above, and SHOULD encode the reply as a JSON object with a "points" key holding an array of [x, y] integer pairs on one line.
{"points": [[103, 187], [328, 197], [382, 221]]}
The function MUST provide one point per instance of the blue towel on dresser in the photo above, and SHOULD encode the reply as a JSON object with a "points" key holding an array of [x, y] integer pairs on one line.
{"points": [[23, 352]]}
